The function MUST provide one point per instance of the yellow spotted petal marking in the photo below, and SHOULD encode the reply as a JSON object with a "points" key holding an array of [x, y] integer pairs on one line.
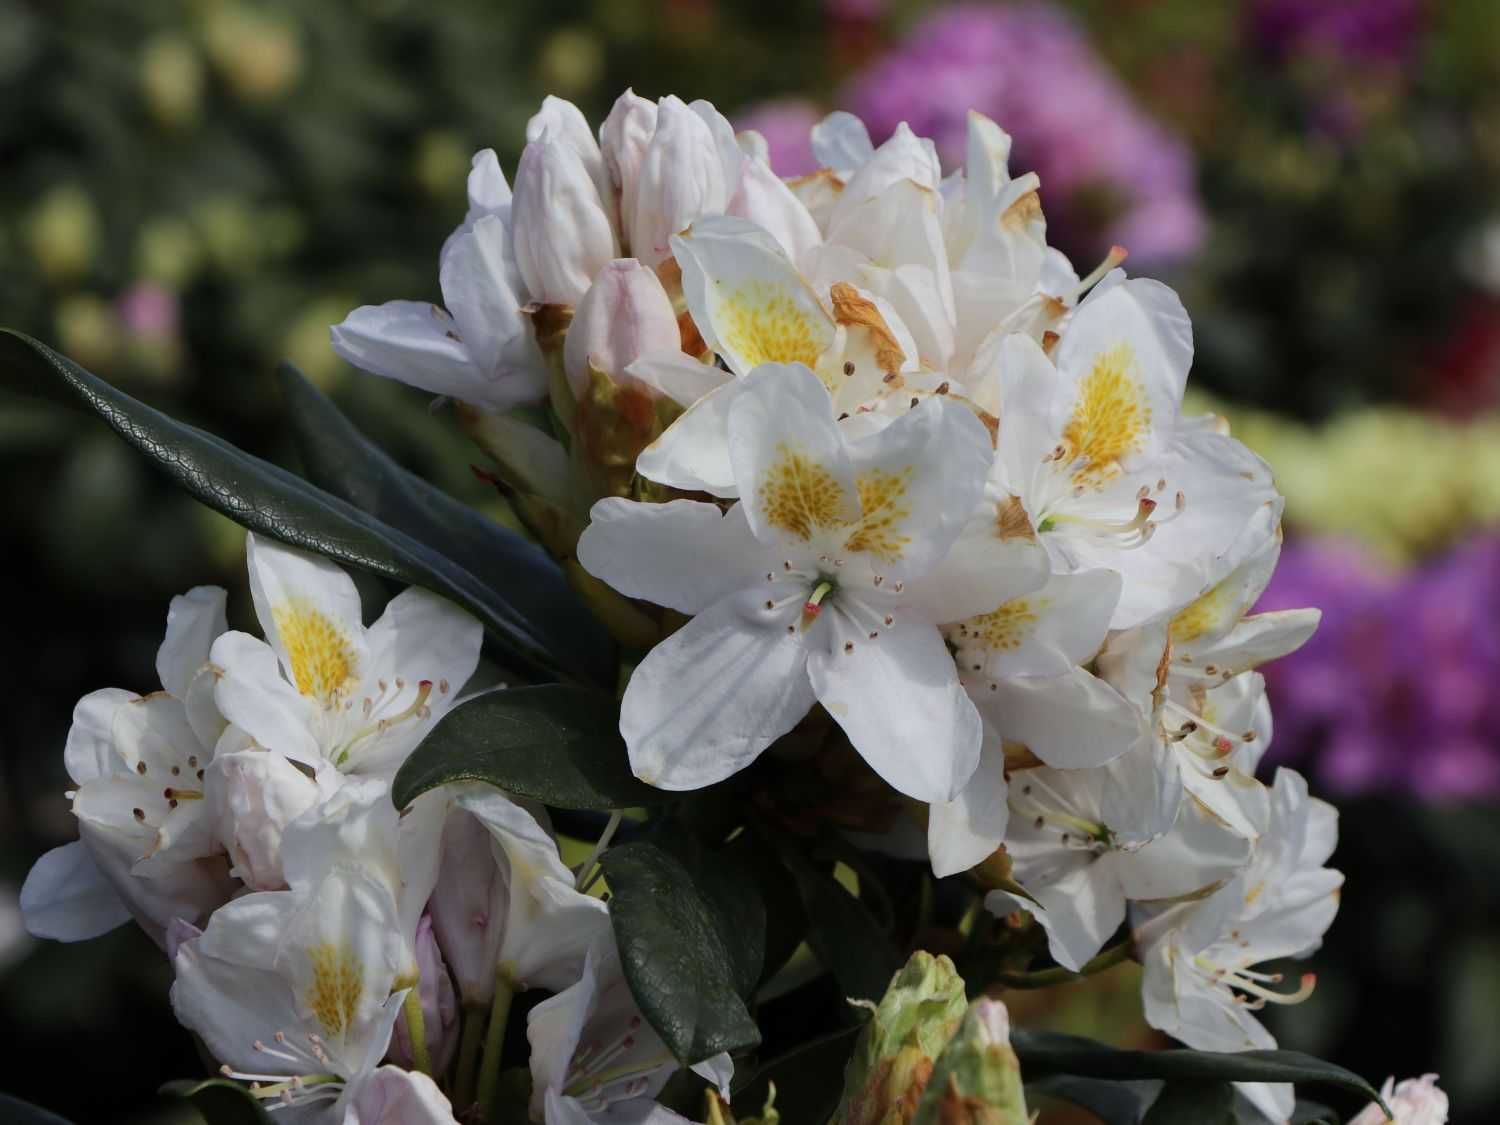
{"points": [[1004, 629], [1211, 611], [798, 494], [763, 323], [1110, 417], [882, 502], [321, 655], [334, 993]]}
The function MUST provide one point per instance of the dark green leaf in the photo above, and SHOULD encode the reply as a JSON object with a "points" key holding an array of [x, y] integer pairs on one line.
{"points": [[24, 1113], [678, 969], [1198, 1102], [1049, 1052], [220, 1101], [726, 880], [267, 499], [1114, 1103], [1311, 1113], [554, 743], [809, 1079], [843, 933], [337, 457], [786, 921]]}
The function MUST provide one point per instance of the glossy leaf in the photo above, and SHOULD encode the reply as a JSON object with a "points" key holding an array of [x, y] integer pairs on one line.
{"points": [[725, 878], [554, 743], [14, 1110], [220, 1101], [272, 501], [674, 958], [1113, 1103], [1048, 1052], [337, 457], [1193, 1103], [843, 933], [809, 1079]]}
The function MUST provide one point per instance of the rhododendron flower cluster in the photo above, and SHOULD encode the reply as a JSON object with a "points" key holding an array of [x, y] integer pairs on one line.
{"points": [[907, 546]]}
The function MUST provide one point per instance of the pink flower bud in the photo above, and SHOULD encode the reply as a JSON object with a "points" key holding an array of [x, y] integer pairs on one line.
{"points": [[625, 314], [682, 177], [624, 137], [439, 1006], [566, 123]]}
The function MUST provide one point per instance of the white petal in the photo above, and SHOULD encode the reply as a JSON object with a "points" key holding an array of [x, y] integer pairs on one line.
{"points": [[310, 612], [681, 179], [1260, 638], [841, 142], [989, 565], [193, 621], [903, 156], [684, 555], [967, 829], [392, 1096], [479, 280], [67, 898], [1045, 633], [749, 302], [789, 458], [678, 376], [487, 189], [926, 474], [765, 200], [692, 454], [707, 700], [568, 125], [1079, 912], [1199, 852], [253, 695], [899, 701], [415, 343], [90, 750], [1072, 721], [559, 228]]}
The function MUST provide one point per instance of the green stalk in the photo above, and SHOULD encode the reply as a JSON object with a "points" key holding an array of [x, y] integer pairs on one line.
{"points": [[416, 1030], [1045, 978], [494, 1040], [464, 1074]]}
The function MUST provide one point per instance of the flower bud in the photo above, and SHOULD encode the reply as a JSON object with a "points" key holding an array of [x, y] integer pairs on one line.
{"points": [[564, 122], [897, 1049], [461, 906], [562, 234], [1414, 1101], [977, 1078], [439, 1007], [256, 793], [623, 139], [625, 314], [681, 179]]}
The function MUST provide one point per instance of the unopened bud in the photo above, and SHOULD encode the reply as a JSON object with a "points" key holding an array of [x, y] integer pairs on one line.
{"points": [[897, 1050], [565, 122], [624, 138], [562, 233], [681, 179], [625, 314], [439, 1007], [977, 1078]]}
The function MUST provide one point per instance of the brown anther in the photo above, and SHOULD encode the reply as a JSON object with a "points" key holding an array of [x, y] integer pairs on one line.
{"points": [[848, 367]]}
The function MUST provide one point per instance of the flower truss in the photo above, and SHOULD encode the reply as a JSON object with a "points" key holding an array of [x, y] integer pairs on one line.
{"points": [[892, 534]]}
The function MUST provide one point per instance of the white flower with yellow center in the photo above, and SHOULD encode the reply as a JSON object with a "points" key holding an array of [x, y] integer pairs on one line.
{"points": [[814, 588], [146, 846], [324, 688], [1084, 842], [1192, 674], [1091, 442], [292, 991], [1200, 984]]}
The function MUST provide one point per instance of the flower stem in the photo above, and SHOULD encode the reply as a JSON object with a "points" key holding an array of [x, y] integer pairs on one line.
{"points": [[1045, 978], [494, 1040], [603, 842], [464, 1074], [416, 1030]]}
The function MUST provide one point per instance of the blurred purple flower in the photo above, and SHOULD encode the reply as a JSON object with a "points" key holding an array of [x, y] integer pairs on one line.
{"points": [[1110, 173], [787, 126], [1396, 690], [1372, 31], [149, 310]]}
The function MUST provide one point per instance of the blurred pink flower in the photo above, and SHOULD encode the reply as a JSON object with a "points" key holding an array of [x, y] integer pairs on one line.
{"points": [[786, 124], [149, 310]]}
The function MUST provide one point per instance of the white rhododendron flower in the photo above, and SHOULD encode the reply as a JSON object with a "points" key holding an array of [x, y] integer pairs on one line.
{"points": [[146, 847], [1200, 983], [595, 1059], [1413, 1101], [809, 590], [324, 689]]}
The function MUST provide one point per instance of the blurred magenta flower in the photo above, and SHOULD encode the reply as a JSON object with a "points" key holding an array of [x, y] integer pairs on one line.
{"points": [[1111, 173], [1374, 31], [786, 123], [149, 310], [1395, 691]]}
